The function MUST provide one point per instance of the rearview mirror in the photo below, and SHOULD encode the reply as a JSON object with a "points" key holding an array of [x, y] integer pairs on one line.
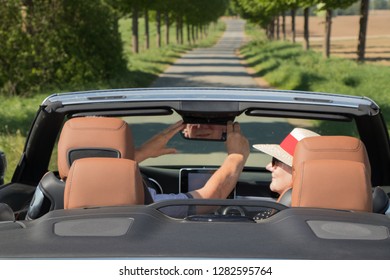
{"points": [[203, 131]]}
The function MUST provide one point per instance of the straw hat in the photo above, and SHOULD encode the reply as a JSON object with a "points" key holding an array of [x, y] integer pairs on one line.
{"points": [[285, 151]]}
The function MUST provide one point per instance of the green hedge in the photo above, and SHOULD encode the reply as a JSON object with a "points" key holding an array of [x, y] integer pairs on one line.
{"points": [[52, 43]]}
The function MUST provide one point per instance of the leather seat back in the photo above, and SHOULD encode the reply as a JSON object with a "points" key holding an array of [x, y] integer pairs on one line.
{"points": [[95, 182], [332, 172], [82, 137]]}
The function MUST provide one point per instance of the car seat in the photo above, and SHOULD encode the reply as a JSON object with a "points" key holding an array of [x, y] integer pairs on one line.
{"points": [[89, 186], [332, 172], [81, 137]]}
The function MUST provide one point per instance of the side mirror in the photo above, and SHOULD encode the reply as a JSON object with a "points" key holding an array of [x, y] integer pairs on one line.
{"points": [[3, 166]]}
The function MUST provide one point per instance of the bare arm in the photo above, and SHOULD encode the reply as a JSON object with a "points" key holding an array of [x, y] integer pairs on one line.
{"points": [[223, 181], [157, 145]]}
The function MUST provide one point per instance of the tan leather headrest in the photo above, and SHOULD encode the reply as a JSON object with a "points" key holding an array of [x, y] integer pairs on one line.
{"points": [[95, 182], [331, 147], [93, 137], [332, 172]]}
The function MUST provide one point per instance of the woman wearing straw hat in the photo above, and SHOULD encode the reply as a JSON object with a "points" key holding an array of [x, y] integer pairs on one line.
{"points": [[282, 157]]}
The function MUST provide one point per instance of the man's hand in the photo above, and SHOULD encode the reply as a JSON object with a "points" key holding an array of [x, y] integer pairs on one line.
{"points": [[223, 181], [157, 145], [236, 143]]}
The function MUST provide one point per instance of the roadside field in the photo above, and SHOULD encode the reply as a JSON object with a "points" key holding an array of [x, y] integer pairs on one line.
{"points": [[344, 34]]}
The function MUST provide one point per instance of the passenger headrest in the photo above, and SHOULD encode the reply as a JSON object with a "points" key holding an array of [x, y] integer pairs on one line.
{"points": [[332, 172], [332, 147], [95, 182], [93, 137]]}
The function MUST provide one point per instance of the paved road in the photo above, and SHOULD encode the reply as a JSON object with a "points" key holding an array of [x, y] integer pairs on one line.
{"points": [[217, 66]]}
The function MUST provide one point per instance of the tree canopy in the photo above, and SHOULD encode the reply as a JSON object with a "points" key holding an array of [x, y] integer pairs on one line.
{"points": [[73, 42]]}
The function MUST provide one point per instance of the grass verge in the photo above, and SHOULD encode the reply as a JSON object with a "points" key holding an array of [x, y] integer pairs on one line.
{"points": [[287, 66]]}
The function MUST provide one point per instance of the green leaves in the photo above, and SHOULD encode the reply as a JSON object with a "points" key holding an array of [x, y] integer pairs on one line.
{"points": [[76, 44], [57, 42]]}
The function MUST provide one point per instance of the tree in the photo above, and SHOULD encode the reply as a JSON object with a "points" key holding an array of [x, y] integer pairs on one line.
{"points": [[13, 36], [196, 14], [134, 28], [200, 13], [284, 25], [58, 42], [328, 29], [306, 12], [132, 8], [293, 6], [262, 12], [306, 4], [158, 28], [328, 7], [362, 29], [167, 24], [293, 29], [147, 35]]}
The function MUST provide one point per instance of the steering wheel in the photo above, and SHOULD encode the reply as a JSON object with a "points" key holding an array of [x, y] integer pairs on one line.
{"points": [[233, 210]]}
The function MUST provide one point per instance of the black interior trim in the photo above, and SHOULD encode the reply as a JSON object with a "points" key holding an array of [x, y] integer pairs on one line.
{"points": [[292, 237]]}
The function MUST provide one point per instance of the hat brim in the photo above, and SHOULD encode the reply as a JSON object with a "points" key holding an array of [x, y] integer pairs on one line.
{"points": [[275, 151]]}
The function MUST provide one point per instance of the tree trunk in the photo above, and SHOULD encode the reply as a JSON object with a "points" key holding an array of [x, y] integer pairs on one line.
{"points": [[146, 15], [328, 29], [364, 5], [158, 27], [177, 30], [277, 28], [27, 10], [181, 30], [167, 27], [188, 33], [271, 28], [193, 33], [306, 13], [284, 25], [293, 32], [135, 30]]}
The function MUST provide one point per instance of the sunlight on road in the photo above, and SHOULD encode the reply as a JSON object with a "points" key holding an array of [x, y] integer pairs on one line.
{"points": [[211, 67]]}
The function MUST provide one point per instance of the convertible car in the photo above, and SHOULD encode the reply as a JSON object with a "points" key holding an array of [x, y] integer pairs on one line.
{"points": [[77, 191]]}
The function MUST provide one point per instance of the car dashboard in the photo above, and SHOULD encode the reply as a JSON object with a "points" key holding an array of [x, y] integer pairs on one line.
{"points": [[253, 183]]}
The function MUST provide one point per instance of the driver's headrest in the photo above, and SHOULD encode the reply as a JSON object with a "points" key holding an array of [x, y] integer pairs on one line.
{"points": [[84, 137], [332, 172]]}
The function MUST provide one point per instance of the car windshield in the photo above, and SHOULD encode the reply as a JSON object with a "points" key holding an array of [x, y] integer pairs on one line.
{"points": [[258, 130]]}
